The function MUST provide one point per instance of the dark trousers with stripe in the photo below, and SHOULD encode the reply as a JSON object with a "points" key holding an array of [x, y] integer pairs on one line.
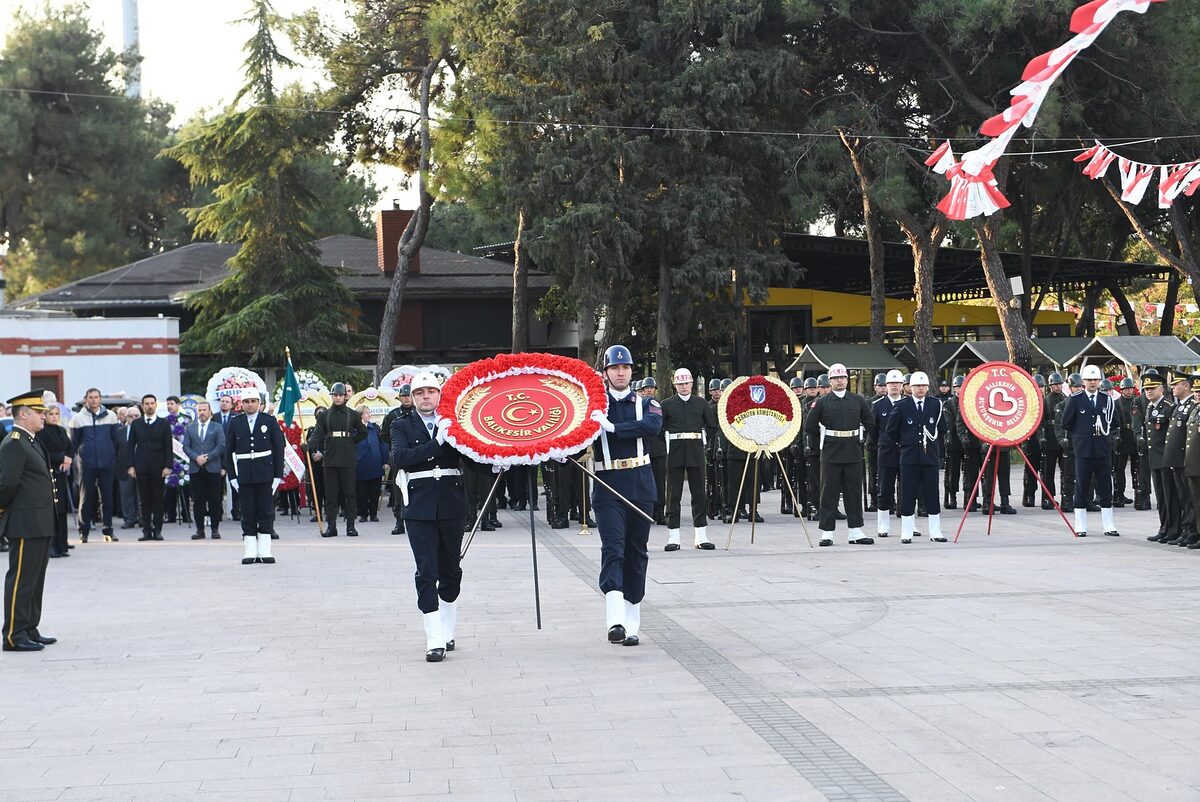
{"points": [[23, 585], [1168, 503], [623, 554], [436, 546], [1187, 516]]}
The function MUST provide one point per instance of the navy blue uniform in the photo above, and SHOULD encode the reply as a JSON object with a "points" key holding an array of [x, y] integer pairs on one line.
{"points": [[435, 508], [623, 533], [1088, 425], [887, 453], [254, 457], [919, 435]]}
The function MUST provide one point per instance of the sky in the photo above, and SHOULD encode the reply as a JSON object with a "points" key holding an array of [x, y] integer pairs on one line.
{"points": [[192, 53]]}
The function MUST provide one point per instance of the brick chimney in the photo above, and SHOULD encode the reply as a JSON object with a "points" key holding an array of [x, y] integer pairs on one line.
{"points": [[389, 226]]}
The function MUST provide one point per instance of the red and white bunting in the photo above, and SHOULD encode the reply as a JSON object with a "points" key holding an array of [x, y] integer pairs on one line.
{"points": [[1173, 179], [973, 189]]}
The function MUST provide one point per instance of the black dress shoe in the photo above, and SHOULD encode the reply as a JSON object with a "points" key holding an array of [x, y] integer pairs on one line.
{"points": [[140, 539], [937, 540], [520, 506], [43, 639], [23, 645], [157, 536], [705, 546], [249, 560], [631, 640], [398, 529], [1006, 509], [825, 541], [1194, 545], [330, 532], [351, 532], [616, 634], [216, 535], [198, 536], [450, 645], [863, 541], [435, 655], [671, 547], [1081, 534], [871, 508], [496, 523], [950, 505], [1047, 505], [83, 537], [1093, 508], [1115, 533], [56, 554], [1118, 503], [1027, 501], [267, 560], [373, 519], [111, 538], [758, 519], [486, 526]]}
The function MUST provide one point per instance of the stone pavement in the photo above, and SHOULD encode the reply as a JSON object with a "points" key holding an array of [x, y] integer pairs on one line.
{"points": [[1022, 666]]}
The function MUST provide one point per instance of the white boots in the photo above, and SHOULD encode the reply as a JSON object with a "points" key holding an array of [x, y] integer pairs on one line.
{"points": [[449, 611], [908, 523], [1106, 517], [264, 548], [672, 540], [250, 556], [1081, 522], [908, 526], [614, 615], [883, 523], [633, 622], [702, 541], [435, 640], [935, 528]]}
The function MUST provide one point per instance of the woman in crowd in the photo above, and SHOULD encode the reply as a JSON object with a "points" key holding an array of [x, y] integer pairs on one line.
{"points": [[61, 453], [372, 459]]}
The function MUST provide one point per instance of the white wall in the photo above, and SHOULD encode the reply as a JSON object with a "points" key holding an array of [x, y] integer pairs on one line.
{"points": [[130, 355]]}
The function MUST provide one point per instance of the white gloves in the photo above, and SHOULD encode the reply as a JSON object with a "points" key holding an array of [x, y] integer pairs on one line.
{"points": [[275, 483], [443, 426], [602, 419], [234, 484]]}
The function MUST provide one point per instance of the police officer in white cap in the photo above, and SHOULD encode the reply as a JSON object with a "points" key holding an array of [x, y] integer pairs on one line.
{"points": [[845, 416], [254, 464], [429, 477], [1087, 419], [886, 451], [917, 425], [689, 423]]}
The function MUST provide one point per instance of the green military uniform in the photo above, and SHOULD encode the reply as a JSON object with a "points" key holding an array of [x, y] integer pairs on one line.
{"points": [[687, 426], [1155, 425], [27, 502], [1126, 451], [839, 422], [1191, 463], [334, 437], [1173, 457]]}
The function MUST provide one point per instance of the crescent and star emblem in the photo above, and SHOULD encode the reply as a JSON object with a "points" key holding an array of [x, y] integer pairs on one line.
{"points": [[521, 413]]}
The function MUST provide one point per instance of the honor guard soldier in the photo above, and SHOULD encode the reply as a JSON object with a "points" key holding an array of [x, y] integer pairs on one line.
{"points": [[1033, 454], [953, 446], [656, 447], [1087, 420], [404, 394], [1156, 424], [254, 464], [28, 500], [1126, 453], [1174, 456], [333, 442], [688, 424], [886, 452], [624, 466], [872, 457], [715, 459], [916, 425], [810, 450], [435, 510], [793, 464], [1053, 456], [844, 416], [1192, 461], [1141, 479]]}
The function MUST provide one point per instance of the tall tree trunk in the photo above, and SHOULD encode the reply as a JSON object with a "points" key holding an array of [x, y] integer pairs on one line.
{"points": [[662, 350], [923, 239], [1131, 325], [412, 238], [1168, 318], [874, 241], [1020, 348], [520, 300]]}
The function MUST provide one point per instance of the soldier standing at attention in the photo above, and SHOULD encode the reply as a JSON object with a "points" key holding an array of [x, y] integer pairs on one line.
{"points": [[1174, 456], [1156, 424], [657, 448], [844, 416], [688, 423], [624, 466], [254, 464], [1052, 453], [873, 458], [953, 447], [886, 451], [1126, 454], [915, 425], [404, 394], [1086, 419], [333, 443], [28, 499], [1192, 461]]}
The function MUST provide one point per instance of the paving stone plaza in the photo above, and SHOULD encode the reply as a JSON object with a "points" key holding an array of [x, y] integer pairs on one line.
{"points": [[1027, 665]]}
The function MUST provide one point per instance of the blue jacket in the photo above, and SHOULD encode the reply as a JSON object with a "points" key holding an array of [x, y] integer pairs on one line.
{"points": [[95, 437], [920, 438], [886, 449], [1078, 422], [213, 446], [635, 484], [372, 456], [414, 450]]}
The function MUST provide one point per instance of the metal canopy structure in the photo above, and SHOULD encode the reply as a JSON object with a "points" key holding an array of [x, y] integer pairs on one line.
{"points": [[971, 355], [853, 356], [1194, 343], [941, 352], [1135, 351], [1061, 349], [841, 264]]}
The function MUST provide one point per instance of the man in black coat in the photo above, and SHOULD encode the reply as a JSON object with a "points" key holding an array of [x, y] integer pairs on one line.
{"points": [[1087, 422], [333, 443], [254, 462], [916, 426], [688, 423], [151, 441], [840, 418], [27, 503], [886, 451], [430, 479]]}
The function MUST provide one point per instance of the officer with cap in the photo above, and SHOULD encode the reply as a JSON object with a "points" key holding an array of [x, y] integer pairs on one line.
{"points": [[953, 447], [404, 395], [1156, 425], [886, 452], [917, 426], [1053, 456], [28, 498], [811, 449], [656, 447], [793, 463], [715, 457], [873, 458], [1033, 455], [254, 465], [1192, 461], [1174, 455], [823, 385], [844, 416], [688, 423], [435, 509], [1087, 420], [1126, 451], [944, 393], [333, 443], [624, 466]]}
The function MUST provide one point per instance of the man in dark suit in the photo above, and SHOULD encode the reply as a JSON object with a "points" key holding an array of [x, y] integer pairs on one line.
{"points": [[127, 486], [917, 426], [1087, 422], [150, 438], [429, 477], [254, 462], [886, 451], [27, 502], [688, 422], [204, 444]]}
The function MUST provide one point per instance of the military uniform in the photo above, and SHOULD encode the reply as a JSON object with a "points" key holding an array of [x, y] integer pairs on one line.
{"points": [[1141, 477], [973, 452], [687, 424], [886, 453], [1191, 463], [844, 420], [714, 456], [1174, 457], [1126, 454], [917, 427], [385, 433], [953, 450], [1086, 420], [28, 499], [1155, 427], [872, 459], [254, 462], [335, 437], [1055, 457]]}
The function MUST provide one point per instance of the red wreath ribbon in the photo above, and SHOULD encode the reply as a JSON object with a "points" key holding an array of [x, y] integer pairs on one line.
{"points": [[533, 453], [775, 400]]}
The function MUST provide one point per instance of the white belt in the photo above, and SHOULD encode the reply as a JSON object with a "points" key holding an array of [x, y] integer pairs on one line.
{"points": [[404, 477], [841, 432], [252, 455], [684, 435], [622, 464]]}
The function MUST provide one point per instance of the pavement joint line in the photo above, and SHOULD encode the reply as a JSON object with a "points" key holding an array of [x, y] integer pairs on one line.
{"points": [[771, 718], [998, 687]]}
